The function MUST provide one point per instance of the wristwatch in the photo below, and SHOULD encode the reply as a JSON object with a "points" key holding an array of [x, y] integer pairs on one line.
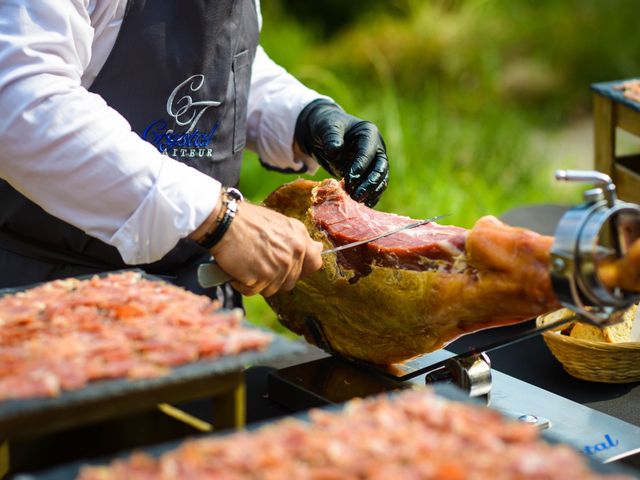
{"points": [[230, 198]]}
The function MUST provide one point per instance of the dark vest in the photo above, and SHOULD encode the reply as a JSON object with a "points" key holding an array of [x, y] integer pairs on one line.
{"points": [[179, 72]]}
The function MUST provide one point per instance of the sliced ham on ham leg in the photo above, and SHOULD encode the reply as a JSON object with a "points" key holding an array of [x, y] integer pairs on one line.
{"points": [[415, 291]]}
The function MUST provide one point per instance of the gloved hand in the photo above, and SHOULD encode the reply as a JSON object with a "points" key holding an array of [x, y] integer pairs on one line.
{"points": [[345, 146]]}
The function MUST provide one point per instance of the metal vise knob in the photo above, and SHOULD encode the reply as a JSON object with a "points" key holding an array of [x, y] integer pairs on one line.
{"points": [[470, 373]]}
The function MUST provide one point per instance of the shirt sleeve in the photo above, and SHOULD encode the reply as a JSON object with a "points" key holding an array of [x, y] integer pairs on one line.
{"points": [[69, 152], [275, 100]]}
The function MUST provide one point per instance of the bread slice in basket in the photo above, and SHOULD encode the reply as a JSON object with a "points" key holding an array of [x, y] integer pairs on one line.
{"points": [[618, 333]]}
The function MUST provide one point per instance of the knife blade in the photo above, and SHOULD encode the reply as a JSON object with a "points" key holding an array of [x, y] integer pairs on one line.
{"points": [[384, 234], [211, 275]]}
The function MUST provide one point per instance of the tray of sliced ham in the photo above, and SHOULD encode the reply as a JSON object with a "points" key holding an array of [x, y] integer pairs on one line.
{"points": [[82, 342], [417, 434]]}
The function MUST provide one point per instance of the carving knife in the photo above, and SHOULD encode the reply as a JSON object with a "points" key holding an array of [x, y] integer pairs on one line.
{"points": [[211, 275]]}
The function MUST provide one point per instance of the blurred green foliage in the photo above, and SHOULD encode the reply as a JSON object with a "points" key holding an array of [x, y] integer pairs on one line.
{"points": [[466, 93]]}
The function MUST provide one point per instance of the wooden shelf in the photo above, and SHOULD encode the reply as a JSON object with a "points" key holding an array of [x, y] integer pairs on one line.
{"points": [[611, 110]]}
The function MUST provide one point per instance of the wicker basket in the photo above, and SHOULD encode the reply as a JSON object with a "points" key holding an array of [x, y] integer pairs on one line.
{"points": [[591, 360]]}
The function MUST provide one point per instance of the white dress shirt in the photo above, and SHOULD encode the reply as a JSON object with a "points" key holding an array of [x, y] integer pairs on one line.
{"points": [[65, 149]]}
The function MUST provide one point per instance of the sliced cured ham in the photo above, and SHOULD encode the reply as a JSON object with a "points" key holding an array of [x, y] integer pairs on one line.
{"points": [[413, 249], [409, 293], [66, 333], [415, 435]]}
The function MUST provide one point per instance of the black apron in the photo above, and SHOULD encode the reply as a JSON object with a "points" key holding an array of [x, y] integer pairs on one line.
{"points": [[179, 72]]}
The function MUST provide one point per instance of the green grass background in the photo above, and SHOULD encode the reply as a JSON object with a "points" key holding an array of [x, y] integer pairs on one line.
{"points": [[470, 95]]}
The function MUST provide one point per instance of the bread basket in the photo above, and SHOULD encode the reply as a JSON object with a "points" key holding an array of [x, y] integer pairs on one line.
{"points": [[596, 361]]}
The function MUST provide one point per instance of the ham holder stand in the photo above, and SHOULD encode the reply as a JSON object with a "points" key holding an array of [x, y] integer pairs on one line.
{"points": [[600, 227]]}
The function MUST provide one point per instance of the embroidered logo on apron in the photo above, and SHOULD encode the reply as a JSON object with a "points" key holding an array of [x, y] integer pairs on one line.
{"points": [[185, 113]]}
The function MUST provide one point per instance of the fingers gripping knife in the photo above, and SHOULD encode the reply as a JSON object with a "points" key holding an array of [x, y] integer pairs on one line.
{"points": [[601, 228], [211, 275]]}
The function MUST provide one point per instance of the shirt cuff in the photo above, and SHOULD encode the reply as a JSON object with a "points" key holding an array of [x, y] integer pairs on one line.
{"points": [[276, 99], [168, 213], [276, 132]]}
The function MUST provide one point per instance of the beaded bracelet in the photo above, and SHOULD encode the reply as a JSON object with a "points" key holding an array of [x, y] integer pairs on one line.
{"points": [[230, 198]]}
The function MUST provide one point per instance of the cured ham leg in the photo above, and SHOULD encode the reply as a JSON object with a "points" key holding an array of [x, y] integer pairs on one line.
{"points": [[415, 291]]}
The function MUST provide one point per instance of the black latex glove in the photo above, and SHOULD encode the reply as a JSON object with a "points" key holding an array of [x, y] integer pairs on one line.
{"points": [[345, 146]]}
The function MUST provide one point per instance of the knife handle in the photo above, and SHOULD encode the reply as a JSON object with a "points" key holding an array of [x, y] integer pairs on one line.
{"points": [[211, 275]]}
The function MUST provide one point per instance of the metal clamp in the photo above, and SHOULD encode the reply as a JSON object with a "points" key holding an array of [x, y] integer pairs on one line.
{"points": [[602, 227], [471, 373]]}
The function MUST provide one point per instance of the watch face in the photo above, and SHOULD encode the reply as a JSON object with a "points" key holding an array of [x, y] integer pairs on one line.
{"points": [[234, 193]]}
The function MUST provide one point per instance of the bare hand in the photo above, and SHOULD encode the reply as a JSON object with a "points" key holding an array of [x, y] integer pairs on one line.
{"points": [[265, 251]]}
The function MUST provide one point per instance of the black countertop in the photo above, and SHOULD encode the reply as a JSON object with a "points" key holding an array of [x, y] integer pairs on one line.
{"points": [[532, 361]]}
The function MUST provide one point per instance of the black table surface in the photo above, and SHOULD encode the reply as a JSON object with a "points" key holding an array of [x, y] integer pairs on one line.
{"points": [[532, 362]]}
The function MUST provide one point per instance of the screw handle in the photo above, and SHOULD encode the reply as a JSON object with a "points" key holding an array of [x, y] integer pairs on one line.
{"points": [[591, 176]]}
